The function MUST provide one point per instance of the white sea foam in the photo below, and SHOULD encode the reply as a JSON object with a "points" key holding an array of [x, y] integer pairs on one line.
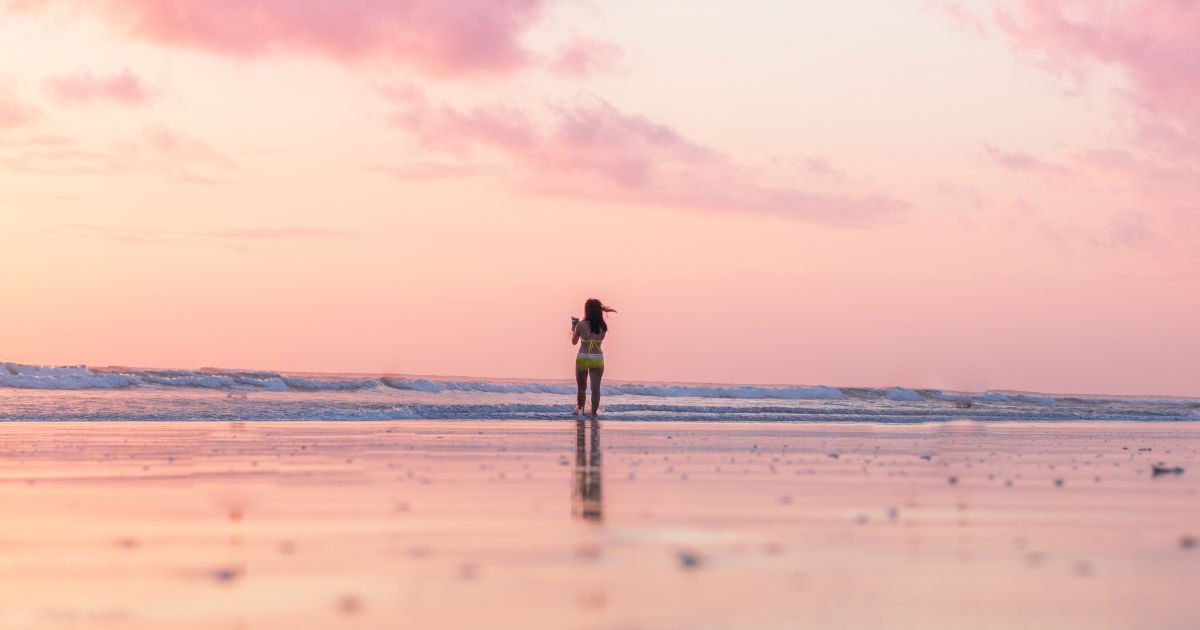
{"points": [[728, 391], [69, 377], [902, 394], [617, 389], [188, 394]]}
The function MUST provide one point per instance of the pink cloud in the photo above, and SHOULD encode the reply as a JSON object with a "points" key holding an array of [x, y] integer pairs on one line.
{"points": [[817, 165], [172, 146], [1138, 192], [156, 150], [13, 112], [1021, 161], [236, 240], [584, 56], [425, 171], [82, 88], [589, 149], [1156, 42], [437, 37], [963, 17]]}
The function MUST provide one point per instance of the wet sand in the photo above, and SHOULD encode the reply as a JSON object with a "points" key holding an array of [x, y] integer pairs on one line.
{"points": [[625, 525]]}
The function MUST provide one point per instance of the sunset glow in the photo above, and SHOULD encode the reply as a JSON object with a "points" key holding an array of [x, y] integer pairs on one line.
{"points": [[971, 195]]}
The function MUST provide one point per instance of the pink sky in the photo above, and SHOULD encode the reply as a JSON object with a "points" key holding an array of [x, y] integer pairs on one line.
{"points": [[969, 194]]}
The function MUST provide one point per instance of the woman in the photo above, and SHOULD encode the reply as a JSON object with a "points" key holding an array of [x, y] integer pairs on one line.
{"points": [[588, 333]]}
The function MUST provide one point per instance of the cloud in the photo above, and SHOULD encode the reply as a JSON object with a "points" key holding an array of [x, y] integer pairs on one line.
{"points": [[274, 233], [1021, 161], [173, 147], [83, 88], [964, 18], [227, 238], [1136, 190], [817, 165], [435, 37], [425, 171], [1155, 42], [1128, 230], [13, 112], [584, 56], [156, 150], [589, 149]]}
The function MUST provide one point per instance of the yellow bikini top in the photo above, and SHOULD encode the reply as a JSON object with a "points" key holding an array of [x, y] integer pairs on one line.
{"points": [[592, 344]]}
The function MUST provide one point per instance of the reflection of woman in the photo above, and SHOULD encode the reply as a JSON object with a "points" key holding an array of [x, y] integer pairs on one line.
{"points": [[588, 333], [587, 502]]}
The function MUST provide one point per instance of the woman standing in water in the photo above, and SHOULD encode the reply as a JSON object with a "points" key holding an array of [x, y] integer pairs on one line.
{"points": [[588, 333]]}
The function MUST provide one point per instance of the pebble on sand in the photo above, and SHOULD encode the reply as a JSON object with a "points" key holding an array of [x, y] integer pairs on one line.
{"points": [[227, 574], [349, 605], [688, 560], [1082, 568], [1160, 469], [1188, 542], [467, 571]]}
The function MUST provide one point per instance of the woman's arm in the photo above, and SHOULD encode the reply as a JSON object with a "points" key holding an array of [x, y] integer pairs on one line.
{"points": [[575, 334]]}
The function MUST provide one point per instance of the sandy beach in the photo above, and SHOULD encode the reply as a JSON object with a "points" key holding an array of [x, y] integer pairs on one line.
{"points": [[621, 525]]}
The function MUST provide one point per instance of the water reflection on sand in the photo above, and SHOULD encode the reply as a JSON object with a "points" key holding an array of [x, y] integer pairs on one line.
{"points": [[587, 501], [431, 524]]}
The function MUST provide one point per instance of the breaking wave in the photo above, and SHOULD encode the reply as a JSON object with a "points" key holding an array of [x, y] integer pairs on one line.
{"points": [[104, 393]]}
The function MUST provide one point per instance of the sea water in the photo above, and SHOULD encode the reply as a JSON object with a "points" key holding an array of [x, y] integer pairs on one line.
{"points": [[30, 392]]}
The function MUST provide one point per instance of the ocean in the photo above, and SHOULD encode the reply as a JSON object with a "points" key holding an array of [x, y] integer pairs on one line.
{"points": [[30, 393]]}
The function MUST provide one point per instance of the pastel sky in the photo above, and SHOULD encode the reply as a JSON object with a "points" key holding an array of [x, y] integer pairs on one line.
{"points": [[961, 194]]}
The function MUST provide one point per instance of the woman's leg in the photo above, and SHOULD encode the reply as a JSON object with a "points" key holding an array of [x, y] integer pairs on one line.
{"points": [[597, 374], [581, 381]]}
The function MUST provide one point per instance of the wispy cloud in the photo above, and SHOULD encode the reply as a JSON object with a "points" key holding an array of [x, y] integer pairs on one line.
{"points": [[158, 149], [589, 149], [435, 37], [583, 56], [1155, 43], [1136, 190], [235, 239], [274, 233], [84, 88], [1021, 161], [13, 111], [965, 18], [425, 171]]}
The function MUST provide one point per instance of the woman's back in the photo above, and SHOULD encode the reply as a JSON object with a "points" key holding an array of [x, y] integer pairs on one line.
{"points": [[589, 342], [589, 363]]}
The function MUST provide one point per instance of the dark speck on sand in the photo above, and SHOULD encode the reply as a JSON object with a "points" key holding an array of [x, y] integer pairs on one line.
{"points": [[227, 574], [349, 605], [1160, 469]]}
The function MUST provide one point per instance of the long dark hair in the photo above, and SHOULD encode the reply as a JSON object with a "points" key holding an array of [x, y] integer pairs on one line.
{"points": [[593, 312]]}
